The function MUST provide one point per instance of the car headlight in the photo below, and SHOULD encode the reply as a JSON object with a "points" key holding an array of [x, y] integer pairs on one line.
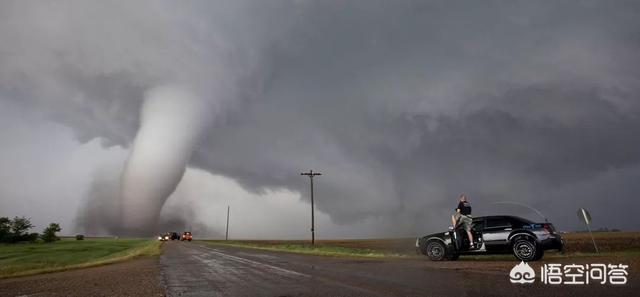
{"points": [[159, 237]]}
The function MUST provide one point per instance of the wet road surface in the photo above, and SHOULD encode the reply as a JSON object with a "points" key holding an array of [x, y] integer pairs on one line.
{"points": [[196, 269]]}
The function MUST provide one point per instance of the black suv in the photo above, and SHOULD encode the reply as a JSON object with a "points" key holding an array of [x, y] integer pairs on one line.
{"points": [[493, 235]]}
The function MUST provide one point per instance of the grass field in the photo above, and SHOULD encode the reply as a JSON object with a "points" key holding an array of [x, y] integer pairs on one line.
{"points": [[577, 245], [321, 248], [32, 258]]}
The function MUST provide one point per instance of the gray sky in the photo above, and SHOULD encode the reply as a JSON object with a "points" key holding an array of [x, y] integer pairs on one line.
{"points": [[403, 105]]}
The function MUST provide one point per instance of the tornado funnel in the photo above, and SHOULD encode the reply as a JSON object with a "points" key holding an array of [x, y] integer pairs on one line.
{"points": [[171, 120]]}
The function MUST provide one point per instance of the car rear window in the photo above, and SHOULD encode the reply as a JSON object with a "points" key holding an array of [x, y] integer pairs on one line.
{"points": [[519, 222]]}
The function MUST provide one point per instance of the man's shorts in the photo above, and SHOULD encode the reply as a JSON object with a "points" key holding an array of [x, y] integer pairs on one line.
{"points": [[465, 222]]}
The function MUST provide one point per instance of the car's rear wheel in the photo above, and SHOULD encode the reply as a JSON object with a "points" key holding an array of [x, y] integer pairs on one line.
{"points": [[436, 251], [526, 250], [539, 254]]}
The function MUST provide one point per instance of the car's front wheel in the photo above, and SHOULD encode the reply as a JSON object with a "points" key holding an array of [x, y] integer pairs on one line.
{"points": [[436, 251], [526, 250]]}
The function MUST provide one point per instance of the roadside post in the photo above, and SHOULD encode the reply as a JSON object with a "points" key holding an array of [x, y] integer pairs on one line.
{"points": [[226, 235], [311, 174], [585, 217]]}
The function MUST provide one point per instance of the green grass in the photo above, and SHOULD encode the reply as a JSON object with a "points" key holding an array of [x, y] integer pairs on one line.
{"points": [[302, 248], [32, 258]]}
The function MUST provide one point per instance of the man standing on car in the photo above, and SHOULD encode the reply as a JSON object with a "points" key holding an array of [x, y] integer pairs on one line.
{"points": [[464, 212]]}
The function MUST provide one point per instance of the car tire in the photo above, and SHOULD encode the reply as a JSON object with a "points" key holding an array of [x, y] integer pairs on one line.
{"points": [[436, 250], [453, 256], [539, 254], [525, 250]]}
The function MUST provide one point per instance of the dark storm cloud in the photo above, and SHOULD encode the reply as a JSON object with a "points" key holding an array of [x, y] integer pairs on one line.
{"points": [[402, 105], [405, 107]]}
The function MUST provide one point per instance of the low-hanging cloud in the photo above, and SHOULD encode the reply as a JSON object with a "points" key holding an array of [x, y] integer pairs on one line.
{"points": [[401, 104]]}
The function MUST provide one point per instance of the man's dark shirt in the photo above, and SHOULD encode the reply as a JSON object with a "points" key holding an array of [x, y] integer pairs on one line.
{"points": [[465, 208]]}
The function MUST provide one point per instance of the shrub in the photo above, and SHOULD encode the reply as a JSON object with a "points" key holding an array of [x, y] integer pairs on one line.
{"points": [[49, 233], [30, 237], [19, 228], [15, 230], [5, 229]]}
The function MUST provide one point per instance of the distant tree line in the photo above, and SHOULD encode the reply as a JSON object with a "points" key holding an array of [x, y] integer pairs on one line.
{"points": [[17, 230]]}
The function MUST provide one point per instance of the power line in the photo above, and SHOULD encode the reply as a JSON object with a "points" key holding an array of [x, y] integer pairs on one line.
{"points": [[311, 174]]}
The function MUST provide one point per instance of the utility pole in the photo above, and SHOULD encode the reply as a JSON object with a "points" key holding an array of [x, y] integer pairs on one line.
{"points": [[226, 236], [311, 174]]}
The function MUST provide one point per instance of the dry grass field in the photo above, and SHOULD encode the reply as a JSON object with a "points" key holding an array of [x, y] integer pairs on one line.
{"points": [[576, 243], [606, 241], [615, 247]]}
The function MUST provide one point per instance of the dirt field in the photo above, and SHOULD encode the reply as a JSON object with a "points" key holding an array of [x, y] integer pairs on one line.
{"points": [[139, 277], [606, 241], [575, 243]]}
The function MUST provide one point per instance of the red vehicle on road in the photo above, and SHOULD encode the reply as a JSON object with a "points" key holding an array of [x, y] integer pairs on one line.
{"points": [[186, 236]]}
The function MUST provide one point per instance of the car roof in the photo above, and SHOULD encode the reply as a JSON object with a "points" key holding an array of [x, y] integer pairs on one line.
{"points": [[504, 217]]}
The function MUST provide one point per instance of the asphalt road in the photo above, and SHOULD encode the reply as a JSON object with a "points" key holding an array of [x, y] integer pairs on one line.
{"points": [[194, 269]]}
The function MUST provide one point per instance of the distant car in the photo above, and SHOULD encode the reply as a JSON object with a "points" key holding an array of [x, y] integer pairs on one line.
{"points": [[174, 236], [493, 235], [186, 236], [164, 237]]}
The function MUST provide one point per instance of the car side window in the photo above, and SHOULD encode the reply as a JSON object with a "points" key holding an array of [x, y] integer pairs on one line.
{"points": [[497, 223]]}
